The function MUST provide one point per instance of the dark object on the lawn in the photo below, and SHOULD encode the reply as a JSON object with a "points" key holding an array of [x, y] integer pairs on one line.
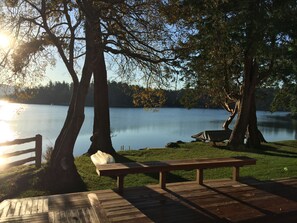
{"points": [[213, 135]]}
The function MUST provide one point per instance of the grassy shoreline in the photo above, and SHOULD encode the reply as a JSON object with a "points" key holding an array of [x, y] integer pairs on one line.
{"points": [[274, 160]]}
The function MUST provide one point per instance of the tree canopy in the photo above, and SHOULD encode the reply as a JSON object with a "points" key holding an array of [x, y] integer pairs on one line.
{"points": [[83, 33], [230, 48]]}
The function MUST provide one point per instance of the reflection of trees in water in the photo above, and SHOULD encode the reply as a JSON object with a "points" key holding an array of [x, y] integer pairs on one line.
{"points": [[276, 124], [192, 121]]}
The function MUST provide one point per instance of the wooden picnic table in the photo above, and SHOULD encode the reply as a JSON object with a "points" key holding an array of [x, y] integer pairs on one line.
{"points": [[120, 170]]}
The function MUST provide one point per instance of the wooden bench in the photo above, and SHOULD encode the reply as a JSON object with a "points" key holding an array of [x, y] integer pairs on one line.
{"points": [[121, 169]]}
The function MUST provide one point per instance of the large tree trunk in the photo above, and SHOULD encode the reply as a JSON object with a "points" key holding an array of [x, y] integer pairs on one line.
{"points": [[248, 89], [246, 123], [254, 137], [247, 119], [101, 139], [62, 167]]}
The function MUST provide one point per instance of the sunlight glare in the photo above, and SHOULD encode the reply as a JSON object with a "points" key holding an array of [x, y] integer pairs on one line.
{"points": [[5, 41], [7, 112], [6, 133], [2, 162]]}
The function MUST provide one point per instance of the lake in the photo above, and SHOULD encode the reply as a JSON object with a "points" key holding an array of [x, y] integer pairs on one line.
{"points": [[132, 128]]}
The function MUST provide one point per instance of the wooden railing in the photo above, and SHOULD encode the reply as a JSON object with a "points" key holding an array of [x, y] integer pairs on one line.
{"points": [[37, 150]]}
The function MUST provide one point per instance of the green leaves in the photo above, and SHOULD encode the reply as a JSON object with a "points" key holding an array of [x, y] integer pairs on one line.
{"points": [[22, 55], [148, 97], [220, 34]]}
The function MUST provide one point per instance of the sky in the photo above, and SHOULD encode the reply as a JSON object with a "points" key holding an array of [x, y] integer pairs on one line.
{"points": [[59, 73]]}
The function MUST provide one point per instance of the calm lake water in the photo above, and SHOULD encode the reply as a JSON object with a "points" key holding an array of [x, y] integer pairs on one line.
{"points": [[134, 128]]}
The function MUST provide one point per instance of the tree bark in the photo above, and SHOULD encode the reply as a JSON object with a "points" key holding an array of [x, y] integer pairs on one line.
{"points": [[252, 137], [250, 79], [101, 139], [62, 168], [246, 123], [231, 117], [255, 136]]}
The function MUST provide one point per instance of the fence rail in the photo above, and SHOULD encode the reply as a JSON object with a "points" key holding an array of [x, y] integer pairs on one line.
{"points": [[37, 150]]}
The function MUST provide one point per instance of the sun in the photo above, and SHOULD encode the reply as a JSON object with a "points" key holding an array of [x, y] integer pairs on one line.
{"points": [[5, 41]]}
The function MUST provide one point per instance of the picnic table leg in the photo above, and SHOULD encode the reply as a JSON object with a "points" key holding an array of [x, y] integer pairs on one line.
{"points": [[199, 176], [235, 174], [162, 179], [120, 183]]}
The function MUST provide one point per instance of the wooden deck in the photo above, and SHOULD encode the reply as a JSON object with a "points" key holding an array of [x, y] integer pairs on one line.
{"points": [[216, 201]]}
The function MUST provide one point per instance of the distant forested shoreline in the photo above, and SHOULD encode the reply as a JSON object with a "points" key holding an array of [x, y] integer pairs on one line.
{"points": [[120, 95]]}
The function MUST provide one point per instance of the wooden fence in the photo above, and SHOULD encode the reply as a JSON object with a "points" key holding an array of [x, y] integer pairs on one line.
{"points": [[37, 150]]}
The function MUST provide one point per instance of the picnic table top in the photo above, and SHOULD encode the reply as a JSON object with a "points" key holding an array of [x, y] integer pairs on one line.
{"points": [[167, 165]]}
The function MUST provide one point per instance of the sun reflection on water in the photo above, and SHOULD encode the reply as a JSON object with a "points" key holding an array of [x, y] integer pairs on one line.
{"points": [[7, 112], [6, 133]]}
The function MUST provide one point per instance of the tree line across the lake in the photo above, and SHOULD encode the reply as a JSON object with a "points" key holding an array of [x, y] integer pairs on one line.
{"points": [[124, 95]]}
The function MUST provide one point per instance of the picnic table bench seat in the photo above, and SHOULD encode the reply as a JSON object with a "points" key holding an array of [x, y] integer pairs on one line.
{"points": [[121, 169]]}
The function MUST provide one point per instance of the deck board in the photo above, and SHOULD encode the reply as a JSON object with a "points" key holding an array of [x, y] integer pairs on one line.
{"points": [[216, 201]]}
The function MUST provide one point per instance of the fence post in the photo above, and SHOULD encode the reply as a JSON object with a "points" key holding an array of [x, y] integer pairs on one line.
{"points": [[38, 152]]}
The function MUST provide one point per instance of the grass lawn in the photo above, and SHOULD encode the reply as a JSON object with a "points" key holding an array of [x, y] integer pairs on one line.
{"points": [[274, 160]]}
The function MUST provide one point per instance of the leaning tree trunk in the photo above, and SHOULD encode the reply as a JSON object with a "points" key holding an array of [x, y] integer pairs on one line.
{"points": [[250, 80], [62, 167], [231, 117], [101, 139]]}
